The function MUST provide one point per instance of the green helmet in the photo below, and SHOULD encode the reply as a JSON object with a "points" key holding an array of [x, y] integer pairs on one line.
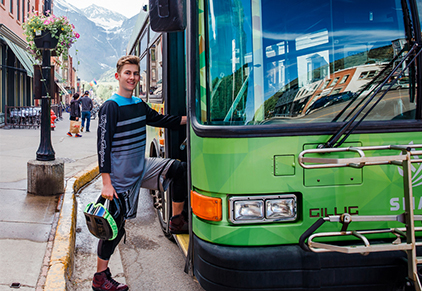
{"points": [[104, 222]]}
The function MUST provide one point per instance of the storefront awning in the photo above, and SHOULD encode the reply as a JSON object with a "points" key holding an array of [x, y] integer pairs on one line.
{"points": [[59, 81], [62, 88], [24, 57]]}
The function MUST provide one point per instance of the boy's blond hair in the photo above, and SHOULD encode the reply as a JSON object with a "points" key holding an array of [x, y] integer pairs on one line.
{"points": [[130, 59]]}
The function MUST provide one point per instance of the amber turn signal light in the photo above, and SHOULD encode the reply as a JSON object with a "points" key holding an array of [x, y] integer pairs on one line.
{"points": [[205, 207]]}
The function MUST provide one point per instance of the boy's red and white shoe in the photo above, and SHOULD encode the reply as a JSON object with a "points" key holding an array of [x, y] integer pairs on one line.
{"points": [[102, 281], [178, 224]]}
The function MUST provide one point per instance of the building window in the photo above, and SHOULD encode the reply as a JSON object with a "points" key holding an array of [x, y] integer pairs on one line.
{"points": [[325, 84], [371, 74], [2, 2], [11, 6], [334, 82], [23, 10], [18, 10], [344, 79], [363, 75]]}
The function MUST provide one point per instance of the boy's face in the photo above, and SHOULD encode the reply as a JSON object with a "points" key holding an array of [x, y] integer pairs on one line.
{"points": [[128, 77]]}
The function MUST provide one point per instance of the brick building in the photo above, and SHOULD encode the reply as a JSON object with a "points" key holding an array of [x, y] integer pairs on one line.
{"points": [[16, 64]]}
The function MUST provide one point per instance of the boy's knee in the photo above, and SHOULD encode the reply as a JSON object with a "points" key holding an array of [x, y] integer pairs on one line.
{"points": [[177, 170]]}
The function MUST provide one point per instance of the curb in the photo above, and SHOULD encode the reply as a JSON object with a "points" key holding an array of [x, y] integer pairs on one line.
{"points": [[62, 254]]}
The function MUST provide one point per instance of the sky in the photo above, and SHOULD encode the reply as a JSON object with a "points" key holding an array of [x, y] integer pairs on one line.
{"points": [[127, 8]]}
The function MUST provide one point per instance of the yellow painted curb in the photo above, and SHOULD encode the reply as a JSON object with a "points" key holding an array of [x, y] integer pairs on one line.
{"points": [[62, 255], [85, 177]]}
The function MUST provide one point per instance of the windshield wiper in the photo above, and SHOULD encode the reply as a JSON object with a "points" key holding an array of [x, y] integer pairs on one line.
{"points": [[334, 140], [410, 39], [367, 86]]}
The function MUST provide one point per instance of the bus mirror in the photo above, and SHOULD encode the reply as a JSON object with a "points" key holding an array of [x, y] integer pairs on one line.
{"points": [[167, 15]]}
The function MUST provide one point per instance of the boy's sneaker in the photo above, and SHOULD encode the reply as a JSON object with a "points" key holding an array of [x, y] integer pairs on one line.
{"points": [[178, 224], [102, 281], [78, 135], [69, 134]]}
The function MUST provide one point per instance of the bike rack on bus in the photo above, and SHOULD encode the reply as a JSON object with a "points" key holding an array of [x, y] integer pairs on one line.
{"points": [[408, 218]]}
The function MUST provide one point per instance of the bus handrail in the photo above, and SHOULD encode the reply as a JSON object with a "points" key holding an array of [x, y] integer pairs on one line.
{"points": [[409, 154], [362, 160]]}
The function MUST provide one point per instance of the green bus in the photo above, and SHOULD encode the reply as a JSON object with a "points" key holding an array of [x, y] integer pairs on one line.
{"points": [[295, 111]]}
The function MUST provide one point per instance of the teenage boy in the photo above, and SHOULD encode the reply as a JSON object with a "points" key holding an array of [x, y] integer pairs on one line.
{"points": [[123, 166]]}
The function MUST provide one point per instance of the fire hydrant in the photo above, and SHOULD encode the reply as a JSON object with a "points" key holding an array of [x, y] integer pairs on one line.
{"points": [[53, 119]]}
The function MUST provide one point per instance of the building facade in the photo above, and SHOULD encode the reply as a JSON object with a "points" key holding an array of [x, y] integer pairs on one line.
{"points": [[16, 64]]}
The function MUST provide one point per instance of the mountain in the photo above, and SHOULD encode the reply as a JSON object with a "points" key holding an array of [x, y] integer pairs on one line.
{"points": [[104, 17], [104, 35]]}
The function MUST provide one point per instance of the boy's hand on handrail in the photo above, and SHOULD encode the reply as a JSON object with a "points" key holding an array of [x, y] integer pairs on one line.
{"points": [[184, 120]]}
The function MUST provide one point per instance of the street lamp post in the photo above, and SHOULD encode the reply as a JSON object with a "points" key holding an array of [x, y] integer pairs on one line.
{"points": [[46, 174], [45, 150]]}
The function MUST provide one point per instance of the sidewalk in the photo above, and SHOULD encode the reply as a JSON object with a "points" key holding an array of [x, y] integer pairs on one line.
{"points": [[27, 222]]}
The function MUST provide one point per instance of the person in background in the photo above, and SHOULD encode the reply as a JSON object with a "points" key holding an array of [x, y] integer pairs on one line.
{"points": [[87, 105], [75, 112]]}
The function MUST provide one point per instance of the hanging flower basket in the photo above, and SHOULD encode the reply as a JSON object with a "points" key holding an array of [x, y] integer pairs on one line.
{"points": [[45, 40], [49, 32]]}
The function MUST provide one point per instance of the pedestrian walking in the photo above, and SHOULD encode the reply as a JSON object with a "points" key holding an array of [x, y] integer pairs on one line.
{"points": [[75, 115], [124, 169], [87, 105]]}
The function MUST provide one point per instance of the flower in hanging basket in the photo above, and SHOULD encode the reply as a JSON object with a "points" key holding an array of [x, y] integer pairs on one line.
{"points": [[49, 32]]}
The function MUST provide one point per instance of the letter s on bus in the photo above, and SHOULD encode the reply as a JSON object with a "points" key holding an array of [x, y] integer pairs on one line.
{"points": [[394, 202]]}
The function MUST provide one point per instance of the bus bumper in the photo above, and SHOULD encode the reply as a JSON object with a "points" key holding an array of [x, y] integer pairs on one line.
{"points": [[288, 267]]}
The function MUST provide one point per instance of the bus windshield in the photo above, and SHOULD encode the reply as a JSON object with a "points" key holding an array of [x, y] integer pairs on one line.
{"points": [[274, 62]]}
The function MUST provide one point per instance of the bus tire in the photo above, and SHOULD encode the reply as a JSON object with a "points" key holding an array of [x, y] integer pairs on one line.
{"points": [[162, 207], [162, 201]]}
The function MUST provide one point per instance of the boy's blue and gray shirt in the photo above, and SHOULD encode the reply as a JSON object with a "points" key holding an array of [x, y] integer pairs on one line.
{"points": [[121, 138]]}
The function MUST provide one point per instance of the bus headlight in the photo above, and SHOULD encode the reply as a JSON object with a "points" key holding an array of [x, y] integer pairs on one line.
{"points": [[248, 210], [261, 209], [280, 208]]}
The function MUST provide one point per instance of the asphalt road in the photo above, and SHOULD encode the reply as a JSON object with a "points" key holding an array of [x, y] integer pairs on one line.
{"points": [[147, 261]]}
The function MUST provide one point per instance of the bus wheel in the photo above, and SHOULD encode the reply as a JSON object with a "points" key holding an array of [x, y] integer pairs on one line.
{"points": [[162, 205]]}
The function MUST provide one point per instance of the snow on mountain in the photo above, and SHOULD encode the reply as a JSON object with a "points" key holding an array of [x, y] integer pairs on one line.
{"points": [[103, 17], [104, 35], [65, 7]]}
